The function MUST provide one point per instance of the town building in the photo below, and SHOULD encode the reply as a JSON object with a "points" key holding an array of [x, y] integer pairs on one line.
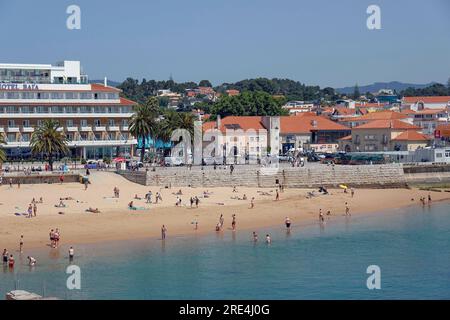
{"points": [[93, 117], [421, 103], [384, 135]]}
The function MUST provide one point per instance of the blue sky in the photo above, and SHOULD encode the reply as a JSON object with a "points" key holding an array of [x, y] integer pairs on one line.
{"points": [[324, 42]]}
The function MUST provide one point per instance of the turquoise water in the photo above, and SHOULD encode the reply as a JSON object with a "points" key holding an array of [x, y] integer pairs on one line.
{"points": [[411, 246]]}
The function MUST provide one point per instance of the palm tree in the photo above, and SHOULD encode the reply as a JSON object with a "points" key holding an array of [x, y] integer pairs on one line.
{"points": [[2, 152], [143, 122], [47, 140]]}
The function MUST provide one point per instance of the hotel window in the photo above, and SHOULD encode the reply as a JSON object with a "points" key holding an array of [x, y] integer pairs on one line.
{"points": [[111, 122], [11, 124], [69, 123], [2, 95], [68, 109], [124, 122], [85, 95], [25, 137], [69, 136], [39, 123], [125, 136], [12, 95], [11, 109], [26, 123], [83, 136], [28, 95], [25, 109], [97, 123], [57, 95], [71, 95], [45, 95], [113, 96], [83, 123], [11, 137], [98, 136], [41, 109]]}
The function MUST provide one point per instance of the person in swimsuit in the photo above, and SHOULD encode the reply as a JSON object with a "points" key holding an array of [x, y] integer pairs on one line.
{"points": [[71, 254], [5, 256], [21, 244], [233, 222], [11, 261], [31, 261], [255, 236], [268, 239], [288, 223]]}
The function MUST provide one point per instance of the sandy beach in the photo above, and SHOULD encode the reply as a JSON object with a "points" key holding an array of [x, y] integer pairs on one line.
{"points": [[116, 222]]}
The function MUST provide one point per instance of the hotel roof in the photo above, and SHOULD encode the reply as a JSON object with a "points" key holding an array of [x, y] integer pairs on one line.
{"points": [[236, 122]]}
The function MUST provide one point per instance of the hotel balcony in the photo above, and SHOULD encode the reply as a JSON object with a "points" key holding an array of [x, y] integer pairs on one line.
{"points": [[27, 129], [13, 129], [124, 128], [72, 129], [100, 128], [113, 128], [2, 130], [88, 128]]}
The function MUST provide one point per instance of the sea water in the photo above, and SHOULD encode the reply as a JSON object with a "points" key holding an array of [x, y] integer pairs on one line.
{"points": [[411, 246]]}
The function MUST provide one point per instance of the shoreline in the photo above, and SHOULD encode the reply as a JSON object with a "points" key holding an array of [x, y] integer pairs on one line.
{"points": [[118, 224]]}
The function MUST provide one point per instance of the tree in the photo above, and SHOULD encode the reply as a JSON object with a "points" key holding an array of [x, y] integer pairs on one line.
{"points": [[356, 93], [2, 152], [248, 103], [448, 86], [205, 83], [47, 140], [143, 122]]}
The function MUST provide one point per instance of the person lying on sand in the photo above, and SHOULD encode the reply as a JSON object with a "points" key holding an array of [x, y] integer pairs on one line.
{"points": [[136, 197], [60, 205], [178, 193], [67, 198], [93, 210]]}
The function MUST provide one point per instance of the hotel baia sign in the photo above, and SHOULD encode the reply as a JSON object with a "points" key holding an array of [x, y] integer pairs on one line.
{"points": [[18, 86]]}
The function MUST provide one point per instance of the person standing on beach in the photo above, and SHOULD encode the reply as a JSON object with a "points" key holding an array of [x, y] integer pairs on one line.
{"points": [[347, 210], [352, 191], [61, 179], [163, 232], [71, 254], [196, 201], [86, 182], [31, 261], [30, 211], [221, 221], [34, 209], [21, 244], [5, 256], [287, 222], [429, 198], [233, 222], [321, 217], [268, 239], [10, 183], [192, 201], [255, 237], [11, 261], [252, 203]]}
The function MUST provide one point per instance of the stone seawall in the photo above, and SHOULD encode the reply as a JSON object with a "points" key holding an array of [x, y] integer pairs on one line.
{"points": [[372, 176], [40, 178]]}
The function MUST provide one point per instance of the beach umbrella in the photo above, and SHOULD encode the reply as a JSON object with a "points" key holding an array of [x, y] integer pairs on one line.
{"points": [[119, 159], [343, 186]]}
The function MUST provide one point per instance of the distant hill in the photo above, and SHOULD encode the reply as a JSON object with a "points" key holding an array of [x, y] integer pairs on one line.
{"points": [[375, 87], [110, 82]]}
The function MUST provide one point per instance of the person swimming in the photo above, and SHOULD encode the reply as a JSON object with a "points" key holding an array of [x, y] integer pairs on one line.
{"points": [[268, 239], [287, 221], [255, 236]]}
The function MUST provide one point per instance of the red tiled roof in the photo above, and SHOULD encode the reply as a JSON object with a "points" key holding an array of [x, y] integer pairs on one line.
{"points": [[381, 115], [101, 87], [244, 123], [431, 99], [387, 124], [431, 111], [308, 123], [411, 135]]}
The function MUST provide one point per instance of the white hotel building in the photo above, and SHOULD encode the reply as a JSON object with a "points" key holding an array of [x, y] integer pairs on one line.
{"points": [[93, 116]]}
